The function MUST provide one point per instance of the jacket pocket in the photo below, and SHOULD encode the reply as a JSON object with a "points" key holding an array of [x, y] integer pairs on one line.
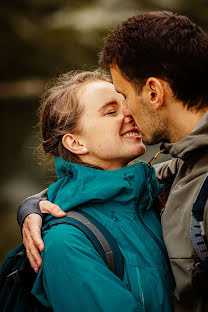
{"points": [[183, 276], [153, 287], [135, 284]]}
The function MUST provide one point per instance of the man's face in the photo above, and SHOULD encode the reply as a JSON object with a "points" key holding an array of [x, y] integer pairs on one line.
{"points": [[148, 122]]}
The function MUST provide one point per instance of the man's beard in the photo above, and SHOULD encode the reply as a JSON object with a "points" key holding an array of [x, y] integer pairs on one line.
{"points": [[158, 126], [156, 138], [159, 131]]}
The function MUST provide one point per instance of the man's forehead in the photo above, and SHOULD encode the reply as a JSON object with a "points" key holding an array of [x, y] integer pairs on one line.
{"points": [[116, 76], [114, 68], [121, 84]]}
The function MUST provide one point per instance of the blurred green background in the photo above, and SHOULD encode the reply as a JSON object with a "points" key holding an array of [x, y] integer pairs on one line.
{"points": [[39, 40]]}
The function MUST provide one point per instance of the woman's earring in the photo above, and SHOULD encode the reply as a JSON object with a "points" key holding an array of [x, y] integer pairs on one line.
{"points": [[85, 150]]}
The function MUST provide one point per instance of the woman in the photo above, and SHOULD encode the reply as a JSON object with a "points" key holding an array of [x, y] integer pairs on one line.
{"points": [[84, 127]]}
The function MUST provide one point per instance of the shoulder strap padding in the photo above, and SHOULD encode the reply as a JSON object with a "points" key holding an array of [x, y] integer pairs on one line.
{"points": [[98, 235], [198, 237]]}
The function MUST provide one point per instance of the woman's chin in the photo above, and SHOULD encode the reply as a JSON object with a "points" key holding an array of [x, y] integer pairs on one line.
{"points": [[136, 148], [140, 150], [136, 155]]}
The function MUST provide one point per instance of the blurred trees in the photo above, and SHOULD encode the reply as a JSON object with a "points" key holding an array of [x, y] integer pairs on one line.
{"points": [[41, 39]]}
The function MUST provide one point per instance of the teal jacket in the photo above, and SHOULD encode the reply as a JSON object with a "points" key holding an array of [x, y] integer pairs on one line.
{"points": [[73, 276]]}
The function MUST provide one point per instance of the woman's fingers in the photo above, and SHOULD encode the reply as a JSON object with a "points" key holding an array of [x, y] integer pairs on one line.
{"points": [[32, 240], [48, 207]]}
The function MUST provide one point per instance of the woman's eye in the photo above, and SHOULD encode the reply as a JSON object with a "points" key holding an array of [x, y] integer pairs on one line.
{"points": [[111, 112]]}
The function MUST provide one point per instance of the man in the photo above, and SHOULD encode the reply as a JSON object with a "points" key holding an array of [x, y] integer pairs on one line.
{"points": [[159, 62]]}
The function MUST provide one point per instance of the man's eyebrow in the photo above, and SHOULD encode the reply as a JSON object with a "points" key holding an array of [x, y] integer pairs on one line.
{"points": [[108, 104]]}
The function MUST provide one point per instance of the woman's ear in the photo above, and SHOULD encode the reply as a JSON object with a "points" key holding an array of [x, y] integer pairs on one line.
{"points": [[155, 92], [71, 142]]}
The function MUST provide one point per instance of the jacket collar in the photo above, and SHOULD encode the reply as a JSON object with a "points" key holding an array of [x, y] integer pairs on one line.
{"points": [[132, 184], [190, 146]]}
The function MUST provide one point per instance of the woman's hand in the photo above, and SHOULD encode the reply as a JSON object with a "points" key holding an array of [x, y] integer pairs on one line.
{"points": [[31, 232]]}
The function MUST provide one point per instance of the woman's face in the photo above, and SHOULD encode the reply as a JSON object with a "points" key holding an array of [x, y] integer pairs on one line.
{"points": [[111, 138]]}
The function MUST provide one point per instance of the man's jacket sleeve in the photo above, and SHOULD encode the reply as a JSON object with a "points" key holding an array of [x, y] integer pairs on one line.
{"points": [[30, 205], [74, 277]]}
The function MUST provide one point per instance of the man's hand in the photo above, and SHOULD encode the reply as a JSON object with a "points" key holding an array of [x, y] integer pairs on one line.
{"points": [[31, 231]]}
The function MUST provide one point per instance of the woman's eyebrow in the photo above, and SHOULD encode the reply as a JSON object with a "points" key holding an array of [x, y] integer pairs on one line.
{"points": [[108, 104]]}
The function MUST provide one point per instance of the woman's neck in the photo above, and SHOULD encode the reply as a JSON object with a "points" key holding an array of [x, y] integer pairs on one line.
{"points": [[102, 164]]}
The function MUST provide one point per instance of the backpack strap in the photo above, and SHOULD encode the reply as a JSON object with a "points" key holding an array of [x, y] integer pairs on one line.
{"points": [[98, 235], [198, 237]]}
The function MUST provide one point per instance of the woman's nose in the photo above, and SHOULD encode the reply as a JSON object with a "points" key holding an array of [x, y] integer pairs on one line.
{"points": [[128, 119], [126, 111], [127, 115]]}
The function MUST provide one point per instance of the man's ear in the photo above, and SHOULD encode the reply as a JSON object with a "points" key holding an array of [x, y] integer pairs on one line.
{"points": [[154, 89], [71, 142]]}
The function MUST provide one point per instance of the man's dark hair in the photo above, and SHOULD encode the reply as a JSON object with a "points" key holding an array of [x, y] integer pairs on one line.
{"points": [[162, 45]]}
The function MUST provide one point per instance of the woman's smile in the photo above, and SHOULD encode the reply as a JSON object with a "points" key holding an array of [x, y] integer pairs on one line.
{"points": [[110, 136], [132, 133]]}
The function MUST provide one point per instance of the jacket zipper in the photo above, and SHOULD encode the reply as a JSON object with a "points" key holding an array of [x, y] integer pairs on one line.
{"points": [[164, 252]]}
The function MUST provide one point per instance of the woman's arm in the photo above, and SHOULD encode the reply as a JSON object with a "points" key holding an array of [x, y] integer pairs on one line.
{"points": [[74, 277], [29, 216]]}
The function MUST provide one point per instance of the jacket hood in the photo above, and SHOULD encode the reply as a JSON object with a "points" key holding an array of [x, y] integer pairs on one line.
{"points": [[192, 143], [79, 186]]}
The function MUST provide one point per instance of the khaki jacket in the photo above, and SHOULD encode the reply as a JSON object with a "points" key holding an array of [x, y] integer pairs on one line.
{"points": [[187, 168]]}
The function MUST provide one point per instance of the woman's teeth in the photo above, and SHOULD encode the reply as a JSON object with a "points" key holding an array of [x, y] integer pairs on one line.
{"points": [[130, 134]]}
